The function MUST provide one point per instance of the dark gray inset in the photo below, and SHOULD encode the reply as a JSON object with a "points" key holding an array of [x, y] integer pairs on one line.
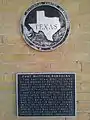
{"points": [[45, 94]]}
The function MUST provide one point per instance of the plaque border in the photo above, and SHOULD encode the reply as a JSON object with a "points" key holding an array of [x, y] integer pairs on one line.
{"points": [[21, 73]]}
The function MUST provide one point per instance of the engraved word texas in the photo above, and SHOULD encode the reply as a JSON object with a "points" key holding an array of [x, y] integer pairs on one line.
{"points": [[48, 25]]}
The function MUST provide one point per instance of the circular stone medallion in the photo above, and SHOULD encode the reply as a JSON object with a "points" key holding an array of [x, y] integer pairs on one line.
{"points": [[45, 26]]}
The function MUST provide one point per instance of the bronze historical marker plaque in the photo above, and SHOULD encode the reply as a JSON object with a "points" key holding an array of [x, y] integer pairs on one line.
{"points": [[46, 94]]}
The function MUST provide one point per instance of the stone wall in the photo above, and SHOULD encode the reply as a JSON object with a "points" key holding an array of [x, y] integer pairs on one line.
{"points": [[16, 56]]}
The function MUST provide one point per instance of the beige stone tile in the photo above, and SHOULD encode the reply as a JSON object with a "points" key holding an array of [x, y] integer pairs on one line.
{"points": [[85, 87], [18, 58], [83, 96], [78, 87], [83, 78], [7, 106], [82, 116], [84, 7], [8, 68], [86, 67], [14, 49], [83, 106]]}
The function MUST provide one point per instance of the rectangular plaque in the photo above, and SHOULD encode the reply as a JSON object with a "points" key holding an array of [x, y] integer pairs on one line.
{"points": [[46, 94]]}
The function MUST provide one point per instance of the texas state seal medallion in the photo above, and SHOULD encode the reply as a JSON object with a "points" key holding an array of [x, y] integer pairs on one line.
{"points": [[45, 26]]}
